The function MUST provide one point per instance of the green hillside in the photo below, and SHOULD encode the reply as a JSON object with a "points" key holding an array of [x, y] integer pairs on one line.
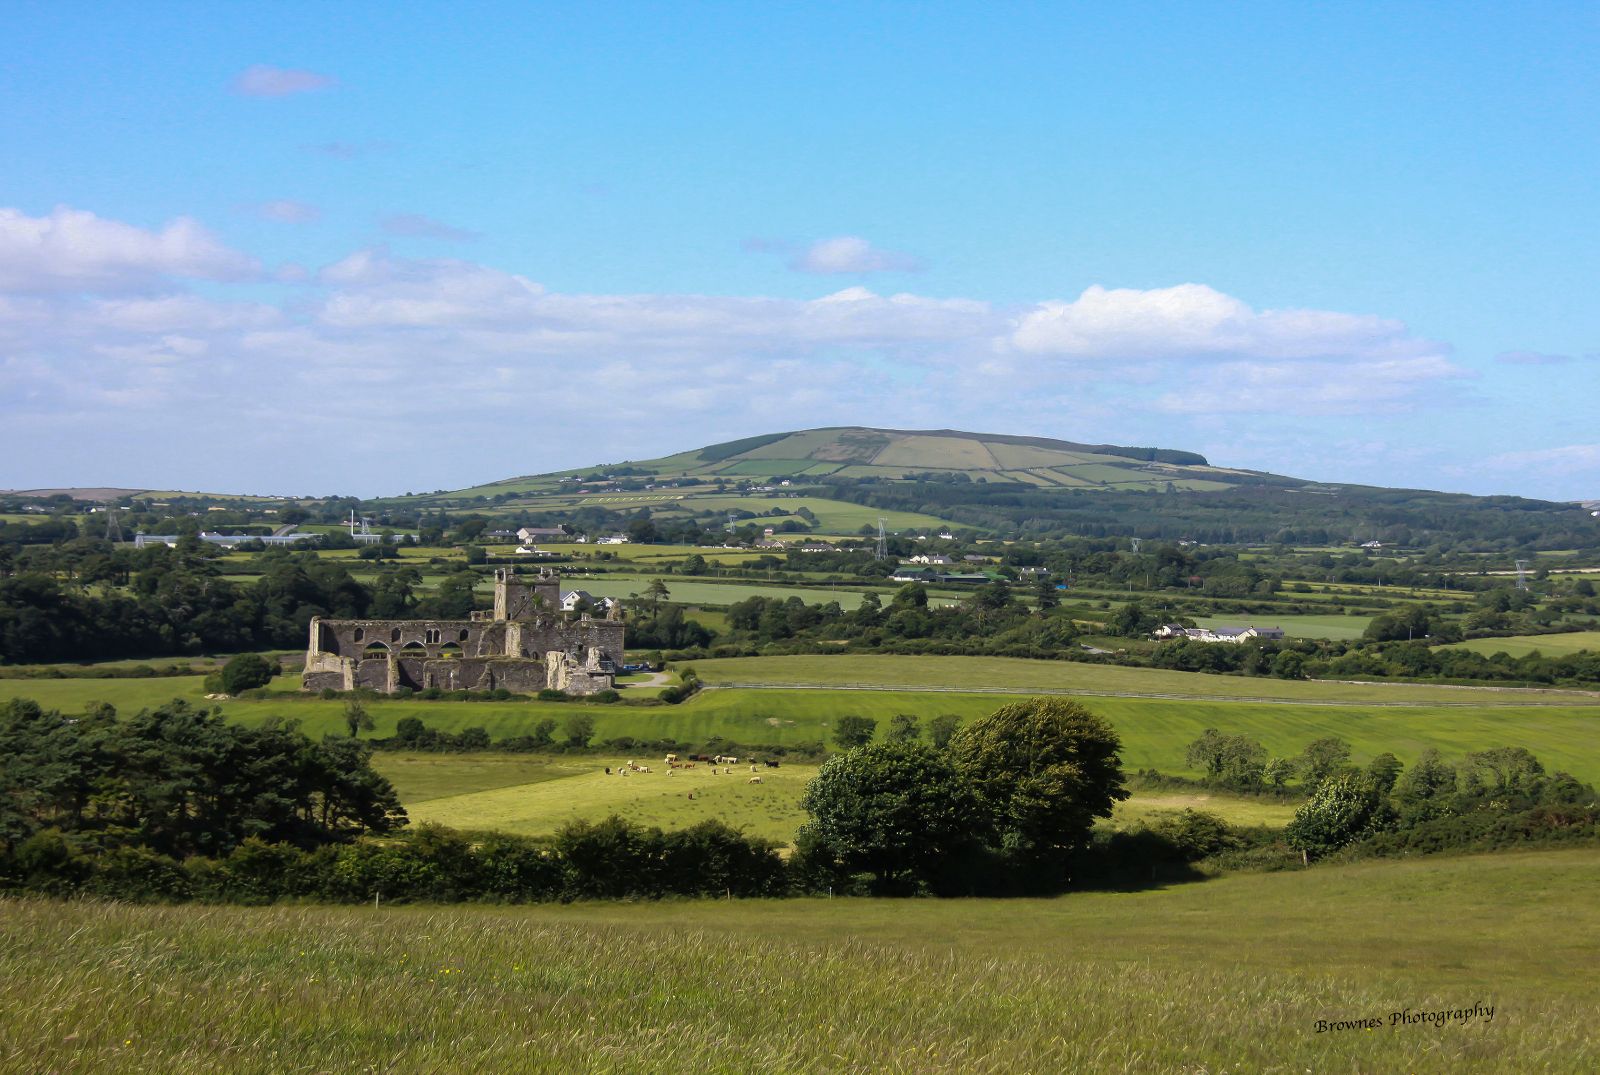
{"points": [[841, 480], [893, 454], [816, 468]]}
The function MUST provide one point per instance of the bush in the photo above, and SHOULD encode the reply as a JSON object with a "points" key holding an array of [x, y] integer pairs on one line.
{"points": [[247, 672]]}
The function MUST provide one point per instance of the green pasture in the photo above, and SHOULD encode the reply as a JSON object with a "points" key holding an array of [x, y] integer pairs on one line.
{"points": [[661, 797], [535, 795], [979, 673], [1295, 626], [698, 592], [1154, 731], [418, 777], [1521, 645], [1148, 806], [1227, 975], [833, 516]]}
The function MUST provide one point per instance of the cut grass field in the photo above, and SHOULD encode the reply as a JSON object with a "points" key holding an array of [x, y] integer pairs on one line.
{"points": [[1226, 975], [1522, 645]]}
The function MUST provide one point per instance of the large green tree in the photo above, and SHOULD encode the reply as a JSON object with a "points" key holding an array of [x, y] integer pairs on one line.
{"points": [[896, 810], [1042, 770]]}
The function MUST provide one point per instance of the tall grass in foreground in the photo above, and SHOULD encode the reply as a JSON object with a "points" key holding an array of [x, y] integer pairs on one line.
{"points": [[1225, 976]]}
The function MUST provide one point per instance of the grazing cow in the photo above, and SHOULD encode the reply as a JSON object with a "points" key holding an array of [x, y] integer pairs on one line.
{"points": [[671, 758], [672, 772], [608, 770], [754, 780], [771, 764], [642, 769], [752, 767]]}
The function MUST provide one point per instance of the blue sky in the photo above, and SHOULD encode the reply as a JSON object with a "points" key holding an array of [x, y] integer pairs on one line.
{"points": [[316, 248]]}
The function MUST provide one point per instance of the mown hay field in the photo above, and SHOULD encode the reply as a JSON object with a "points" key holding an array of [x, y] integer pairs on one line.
{"points": [[1227, 975]]}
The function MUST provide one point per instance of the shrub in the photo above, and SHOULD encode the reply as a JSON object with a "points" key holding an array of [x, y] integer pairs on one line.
{"points": [[247, 672]]}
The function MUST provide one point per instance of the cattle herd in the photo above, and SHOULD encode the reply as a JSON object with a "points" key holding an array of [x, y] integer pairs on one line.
{"points": [[719, 763]]}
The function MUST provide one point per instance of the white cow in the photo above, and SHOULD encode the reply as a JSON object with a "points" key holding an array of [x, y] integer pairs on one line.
{"points": [[754, 780]]}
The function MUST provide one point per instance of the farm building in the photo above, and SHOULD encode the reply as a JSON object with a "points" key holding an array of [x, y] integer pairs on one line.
{"points": [[525, 644], [1219, 634]]}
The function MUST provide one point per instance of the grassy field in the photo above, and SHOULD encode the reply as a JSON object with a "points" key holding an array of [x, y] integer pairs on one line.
{"points": [[536, 795], [978, 673], [1227, 975], [1522, 645], [1236, 810], [424, 776], [1559, 727], [770, 808], [697, 592]]}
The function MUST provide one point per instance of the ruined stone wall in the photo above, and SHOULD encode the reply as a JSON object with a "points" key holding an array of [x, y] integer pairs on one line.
{"points": [[385, 655], [515, 599]]}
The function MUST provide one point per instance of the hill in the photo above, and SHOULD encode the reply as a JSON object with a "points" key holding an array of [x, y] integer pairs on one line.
{"points": [[841, 480], [861, 452]]}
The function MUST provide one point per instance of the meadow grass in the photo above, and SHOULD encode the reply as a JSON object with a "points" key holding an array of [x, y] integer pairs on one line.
{"points": [[537, 795], [1147, 806], [1521, 645], [418, 777], [888, 670], [769, 809], [1154, 730], [1226, 975]]}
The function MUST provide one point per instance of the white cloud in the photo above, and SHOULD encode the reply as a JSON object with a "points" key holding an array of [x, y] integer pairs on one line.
{"points": [[288, 211], [851, 254], [264, 80], [72, 249], [98, 330], [417, 226], [1192, 321]]}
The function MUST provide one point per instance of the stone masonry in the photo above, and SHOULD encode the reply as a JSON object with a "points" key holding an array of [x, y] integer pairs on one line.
{"points": [[525, 644]]}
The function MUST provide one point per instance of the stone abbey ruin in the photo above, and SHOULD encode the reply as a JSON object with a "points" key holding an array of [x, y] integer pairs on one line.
{"points": [[526, 644]]}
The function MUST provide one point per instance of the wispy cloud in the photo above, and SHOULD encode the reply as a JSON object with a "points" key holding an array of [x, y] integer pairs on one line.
{"points": [[264, 80], [852, 254], [417, 226]]}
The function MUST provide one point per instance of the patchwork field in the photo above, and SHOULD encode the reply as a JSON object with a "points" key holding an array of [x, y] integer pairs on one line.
{"points": [[1230, 975], [1522, 645]]}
